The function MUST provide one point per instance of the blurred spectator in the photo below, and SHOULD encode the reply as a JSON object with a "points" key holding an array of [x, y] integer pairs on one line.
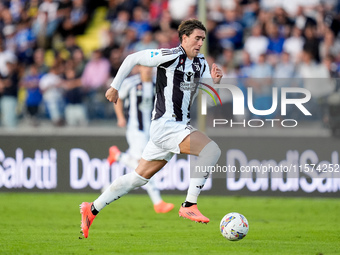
{"points": [[6, 21], [25, 42], [250, 12], [181, 10], [129, 41], [157, 7], [293, 45], [78, 61], [140, 22], [246, 65], [261, 81], [111, 44], [146, 42], [64, 10], [243, 71], [30, 82], [261, 69], [145, 5], [116, 60], [229, 72], [76, 22], [120, 24], [166, 33], [9, 37], [9, 95], [257, 43], [112, 10], [263, 18], [116, 6], [75, 111], [283, 22], [214, 46], [316, 79], [39, 60], [32, 8], [215, 10], [302, 20], [269, 5], [16, 8], [94, 78], [230, 31], [329, 63], [275, 45], [165, 23], [40, 30], [70, 45], [5, 56], [46, 22], [329, 45], [284, 69], [51, 87], [309, 68], [311, 44], [227, 58]]}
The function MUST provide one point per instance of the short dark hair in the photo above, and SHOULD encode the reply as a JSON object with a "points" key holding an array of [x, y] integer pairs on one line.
{"points": [[188, 26]]}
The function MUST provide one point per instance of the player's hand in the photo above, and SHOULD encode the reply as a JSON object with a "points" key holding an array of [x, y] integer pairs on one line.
{"points": [[121, 122], [112, 95], [216, 73]]}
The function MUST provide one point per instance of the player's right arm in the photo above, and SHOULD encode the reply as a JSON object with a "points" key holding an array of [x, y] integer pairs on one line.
{"points": [[150, 58]]}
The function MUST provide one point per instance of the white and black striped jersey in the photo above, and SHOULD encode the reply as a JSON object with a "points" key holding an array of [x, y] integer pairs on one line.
{"points": [[138, 99], [176, 83]]}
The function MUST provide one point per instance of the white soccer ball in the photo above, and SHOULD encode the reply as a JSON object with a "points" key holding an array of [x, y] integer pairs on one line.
{"points": [[234, 226]]}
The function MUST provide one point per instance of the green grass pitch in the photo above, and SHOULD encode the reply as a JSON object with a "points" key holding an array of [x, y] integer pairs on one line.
{"points": [[49, 223]]}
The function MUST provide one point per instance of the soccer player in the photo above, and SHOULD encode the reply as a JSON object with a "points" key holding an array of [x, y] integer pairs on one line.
{"points": [[137, 93], [170, 131]]}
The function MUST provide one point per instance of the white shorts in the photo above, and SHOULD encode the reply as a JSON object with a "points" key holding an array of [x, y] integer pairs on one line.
{"points": [[165, 137]]}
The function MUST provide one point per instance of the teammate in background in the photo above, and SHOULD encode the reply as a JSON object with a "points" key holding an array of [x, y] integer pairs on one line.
{"points": [[178, 69], [138, 93]]}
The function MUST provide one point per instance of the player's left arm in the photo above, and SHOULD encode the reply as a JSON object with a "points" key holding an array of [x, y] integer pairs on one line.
{"points": [[216, 73], [210, 78]]}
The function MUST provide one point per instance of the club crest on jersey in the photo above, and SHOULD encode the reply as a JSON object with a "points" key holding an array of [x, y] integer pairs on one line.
{"points": [[197, 67], [154, 53]]}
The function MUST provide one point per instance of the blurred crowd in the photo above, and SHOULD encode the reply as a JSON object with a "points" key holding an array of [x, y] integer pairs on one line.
{"points": [[260, 43]]}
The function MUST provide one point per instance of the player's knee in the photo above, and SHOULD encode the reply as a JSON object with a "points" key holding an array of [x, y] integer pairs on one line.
{"points": [[216, 149], [211, 150], [128, 182], [139, 180]]}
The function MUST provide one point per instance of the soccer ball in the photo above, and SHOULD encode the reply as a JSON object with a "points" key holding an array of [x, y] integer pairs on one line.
{"points": [[234, 226]]}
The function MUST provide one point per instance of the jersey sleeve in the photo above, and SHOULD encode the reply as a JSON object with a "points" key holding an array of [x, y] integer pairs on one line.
{"points": [[150, 58], [206, 71]]}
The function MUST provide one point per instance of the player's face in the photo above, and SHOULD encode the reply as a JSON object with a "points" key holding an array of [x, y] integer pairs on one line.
{"points": [[193, 43]]}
